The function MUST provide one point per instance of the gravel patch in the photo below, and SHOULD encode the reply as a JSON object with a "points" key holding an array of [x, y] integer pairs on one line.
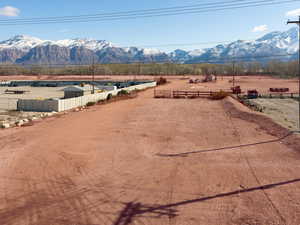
{"points": [[283, 111]]}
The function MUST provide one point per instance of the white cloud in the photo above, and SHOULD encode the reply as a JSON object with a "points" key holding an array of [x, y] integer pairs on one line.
{"points": [[293, 13], [9, 11], [260, 28]]}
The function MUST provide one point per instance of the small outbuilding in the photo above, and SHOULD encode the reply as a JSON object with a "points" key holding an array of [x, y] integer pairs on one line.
{"points": [[77, 91]]}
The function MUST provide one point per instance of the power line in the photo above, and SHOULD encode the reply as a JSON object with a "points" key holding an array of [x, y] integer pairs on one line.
{"points": [[134, 16], [128, 12], [143, 14]]}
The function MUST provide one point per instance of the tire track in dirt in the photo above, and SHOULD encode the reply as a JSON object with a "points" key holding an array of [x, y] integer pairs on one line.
{"points": [[241, 156], [106, 198], [40, 197], [83, 200], [65, 194], [48, 198], [12, 202], [251, 169], [91, 182], [170, 194]]}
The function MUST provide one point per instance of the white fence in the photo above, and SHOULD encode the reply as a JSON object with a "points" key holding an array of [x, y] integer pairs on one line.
{"points": [[70, 103], [59, 105]]}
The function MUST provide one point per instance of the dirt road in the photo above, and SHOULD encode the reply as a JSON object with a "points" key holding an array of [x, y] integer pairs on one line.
{"points": [[105, 166]]}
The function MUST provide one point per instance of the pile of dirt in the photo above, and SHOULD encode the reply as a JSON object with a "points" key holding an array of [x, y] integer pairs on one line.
{"points": [[265, 123]]}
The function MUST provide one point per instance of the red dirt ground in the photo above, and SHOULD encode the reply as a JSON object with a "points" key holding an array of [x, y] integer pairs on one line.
{"points": [[103, 167]]}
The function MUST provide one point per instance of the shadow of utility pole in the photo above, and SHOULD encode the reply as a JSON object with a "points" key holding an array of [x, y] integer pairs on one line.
{"points": [[185, 154], [132, 209]]}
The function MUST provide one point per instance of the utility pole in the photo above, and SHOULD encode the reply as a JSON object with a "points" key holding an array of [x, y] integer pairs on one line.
{"points": [[139, 70], [93, 79], [233, 74], [298, 23]]}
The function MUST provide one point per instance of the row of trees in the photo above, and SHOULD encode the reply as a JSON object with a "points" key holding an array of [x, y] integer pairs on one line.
{"points": [[278, 68]]}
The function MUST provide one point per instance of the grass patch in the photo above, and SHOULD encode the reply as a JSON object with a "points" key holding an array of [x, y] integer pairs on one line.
{"points": [[256, 107]]}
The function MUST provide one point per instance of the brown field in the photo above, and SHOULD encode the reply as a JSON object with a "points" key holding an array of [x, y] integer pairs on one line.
{"points": [[118, 164], [261, 83]]}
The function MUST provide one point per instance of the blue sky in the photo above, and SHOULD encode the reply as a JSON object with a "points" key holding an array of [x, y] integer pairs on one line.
{"points": [[205, 27]]}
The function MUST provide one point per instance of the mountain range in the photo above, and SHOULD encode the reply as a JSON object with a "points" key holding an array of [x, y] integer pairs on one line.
{"points": [[23, 49]]}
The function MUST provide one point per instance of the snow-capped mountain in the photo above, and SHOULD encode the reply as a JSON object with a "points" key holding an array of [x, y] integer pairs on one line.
{"points": [[26, 49], [90, 44], [274, 43], [21, 42], [24, 42], [285, 40]]}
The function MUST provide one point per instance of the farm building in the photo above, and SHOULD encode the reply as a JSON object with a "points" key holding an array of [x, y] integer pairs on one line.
{"points": [[77, 91]]}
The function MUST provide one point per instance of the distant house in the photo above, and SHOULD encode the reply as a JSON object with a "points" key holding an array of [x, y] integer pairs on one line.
{"points": [[77, 91]]}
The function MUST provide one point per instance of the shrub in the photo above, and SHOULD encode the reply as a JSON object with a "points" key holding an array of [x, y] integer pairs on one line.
{"points": [[90, 104], [161, 81], [219, 95], [101, 101], [123, 92]]}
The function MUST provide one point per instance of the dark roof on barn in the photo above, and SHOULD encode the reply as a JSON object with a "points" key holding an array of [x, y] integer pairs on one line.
{"points": [[78, 88]]}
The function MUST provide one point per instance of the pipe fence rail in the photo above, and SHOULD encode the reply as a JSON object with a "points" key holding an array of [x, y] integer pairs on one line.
{"points": [[186, 94]]}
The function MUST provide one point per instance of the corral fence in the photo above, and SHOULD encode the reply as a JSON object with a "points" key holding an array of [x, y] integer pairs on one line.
{"points": [[185, 94], [59, 105]]}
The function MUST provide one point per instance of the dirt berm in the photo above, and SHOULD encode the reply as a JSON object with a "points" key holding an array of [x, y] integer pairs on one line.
{"points": [[236, 110]]}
